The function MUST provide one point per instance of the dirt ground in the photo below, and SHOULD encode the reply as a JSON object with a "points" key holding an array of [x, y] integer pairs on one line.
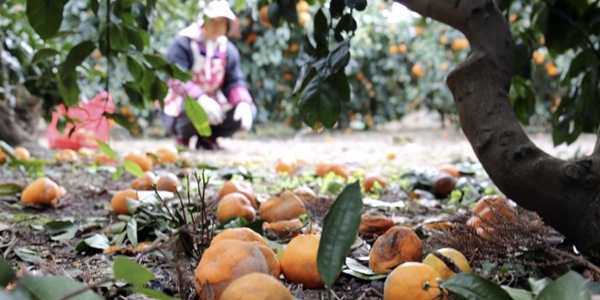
{"points": [[416, 140]]}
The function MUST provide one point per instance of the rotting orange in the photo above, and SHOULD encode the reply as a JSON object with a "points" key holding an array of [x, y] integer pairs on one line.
{"points": [[283, 228], [439, 225], [167, 182], [374, 224], [246, 288], [323, 169], [140, 159], [450, 169], [22, 153], [224, 262], [341, 170], [168, 154], [144, 183], [2, 157], [238, 186], [412, 280], [286, 165], [85, 152], [273, 264], [240, 234], [299, 261], [103, 159], [443, 184], [398, 245], [497, 203], [305, 194], [282, 206], [65, 156], [42, 191], [454, 261], [119, 201], [371, 179], [235, 205]]}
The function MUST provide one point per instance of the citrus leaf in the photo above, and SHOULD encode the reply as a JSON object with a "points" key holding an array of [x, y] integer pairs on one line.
{"points": [[133, 168], [54, 287], [364, 276], [97, 241], [105, 148], [154, 294], [473, 287], [197, 116], [7, 274], [340, 229], [132, 232], [27, 255], [43, 53], [320, 101], [45, 16], [570, 286], [131, 272], [518, 294], [67, 230], [118, 173], [10, 189]]}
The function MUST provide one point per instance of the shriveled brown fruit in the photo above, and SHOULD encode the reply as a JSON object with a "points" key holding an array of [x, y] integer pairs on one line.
{"points": [[167, 182], [235, 205], [282, 228], [305, 194], [22, 153], [286, 165], [66, 156], [439, 225], [140, 159], [85, 152], [341, 170], [42, 191], [224, 262], [443, 184], [372, 224], [370, 179], [240, 234], [282, 206], [103, 159], [144, 183], [238, 186], [496, 203], [299, 261], [398, 245], [119, 201], [256, 286]]}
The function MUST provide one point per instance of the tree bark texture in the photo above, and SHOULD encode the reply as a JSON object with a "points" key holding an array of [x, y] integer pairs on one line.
{"points": [[18, 126], [564, 193]]}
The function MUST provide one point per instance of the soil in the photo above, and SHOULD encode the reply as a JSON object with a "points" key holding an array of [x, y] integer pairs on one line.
{"points": [[417, 140]]}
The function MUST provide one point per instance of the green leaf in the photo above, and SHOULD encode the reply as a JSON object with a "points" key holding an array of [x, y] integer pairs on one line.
{"points": [[118, 173], [197, 116], [153, 294], [133, 168], [43, 54], [119, 119], [96, 241], [7, 274], [45, 16], [537, 286], [288, 11], [273, 14], [321, 31], [364, 276], [347, 24], [473, 287], [77, 55], [320, 100], [10, 189], [359, 5], [339, 57], [134, 37], [105, 148], [132, 232], [336, 8], [340, 229], [570, 286], [518, 294], [95, 5], [27, 255], [118, 37], [67, 229], [54, 287], [68, 87], [131, 272]]}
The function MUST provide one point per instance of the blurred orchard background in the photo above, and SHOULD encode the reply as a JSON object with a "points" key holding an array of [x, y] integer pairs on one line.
{"points": [[399, 62]]}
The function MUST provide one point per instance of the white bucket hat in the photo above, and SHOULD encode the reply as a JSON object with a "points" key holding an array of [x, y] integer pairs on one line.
{"points": [[215, 9]]}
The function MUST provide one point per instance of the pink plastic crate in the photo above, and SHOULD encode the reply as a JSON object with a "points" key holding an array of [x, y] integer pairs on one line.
{"points": [[93, 126]]}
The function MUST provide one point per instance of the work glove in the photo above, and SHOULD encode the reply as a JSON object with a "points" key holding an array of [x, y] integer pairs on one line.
{"points": [[212, 109], [243, 113]]}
